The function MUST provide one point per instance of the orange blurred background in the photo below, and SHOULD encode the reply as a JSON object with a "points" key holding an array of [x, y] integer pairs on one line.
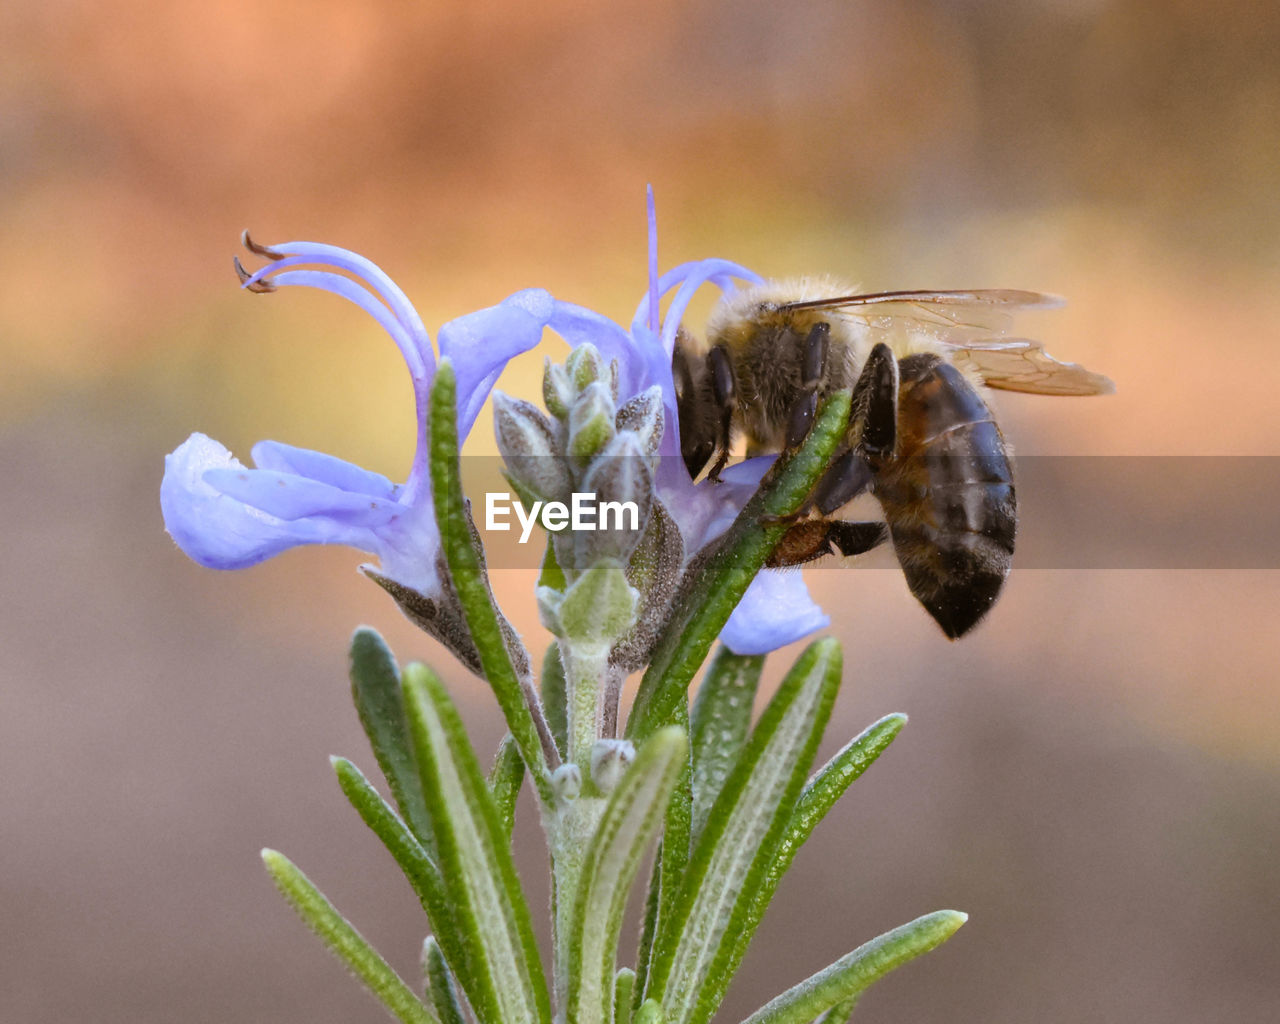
{"points": [[1093, 775]]}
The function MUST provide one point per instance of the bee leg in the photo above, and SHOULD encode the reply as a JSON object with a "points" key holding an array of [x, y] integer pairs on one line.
{"points": [[816, 347], [873, 417], [724, 389], [696, 447], [810, 540], [846, 478]]}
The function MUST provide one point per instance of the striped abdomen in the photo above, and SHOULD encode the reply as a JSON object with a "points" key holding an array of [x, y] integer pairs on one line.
{"points": [[948, 494]]}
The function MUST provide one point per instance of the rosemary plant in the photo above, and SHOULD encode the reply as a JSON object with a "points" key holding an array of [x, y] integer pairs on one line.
{"points": [[721, 803]]}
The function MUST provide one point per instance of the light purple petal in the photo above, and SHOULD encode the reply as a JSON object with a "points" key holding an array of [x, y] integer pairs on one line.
{"points": [[581, 326], [220, 532], [775, 611], [285, 458], [290, 497], [480, 344]]}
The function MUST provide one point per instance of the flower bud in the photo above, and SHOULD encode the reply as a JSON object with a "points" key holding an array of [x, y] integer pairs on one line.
{"points": [[609, 761], [527, 441], [599, 607], [585, 366], [566, 781], [643, 415], [591, 422], [557, 390], [622, 481]]}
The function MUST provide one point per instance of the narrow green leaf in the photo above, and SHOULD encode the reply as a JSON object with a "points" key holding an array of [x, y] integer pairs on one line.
{"points": [[505, 778], [515, 694], [648, 927], [375, 688], [506, 983], [718, 725], [629, 824], [650, 1012], [441, 987], [675, 834], [624, 984], [854, 972], [839, 1013], [695, 955], [555, 697], [345, 942], [413, 859], [827, 786], [818, 797], [704, 607]]}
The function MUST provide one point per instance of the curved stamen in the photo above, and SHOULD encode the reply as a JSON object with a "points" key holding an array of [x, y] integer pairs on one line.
{"points": [[261, 287], [258, 249], [297, 253], [352, 292], [721, 274], [698, 274]]}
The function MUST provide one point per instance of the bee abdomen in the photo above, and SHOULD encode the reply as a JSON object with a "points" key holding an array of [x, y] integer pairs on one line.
{"points": [[948, 495]]}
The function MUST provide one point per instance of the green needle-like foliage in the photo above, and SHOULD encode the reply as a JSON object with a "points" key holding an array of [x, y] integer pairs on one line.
{"points": [[345, 942]]}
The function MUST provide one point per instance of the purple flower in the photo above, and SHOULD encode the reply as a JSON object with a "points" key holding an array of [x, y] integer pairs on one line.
{"points": [[225, 515], [777, 609]]}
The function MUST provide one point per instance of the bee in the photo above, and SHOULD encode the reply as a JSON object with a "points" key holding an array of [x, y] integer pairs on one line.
{"points": [[921, 436]]}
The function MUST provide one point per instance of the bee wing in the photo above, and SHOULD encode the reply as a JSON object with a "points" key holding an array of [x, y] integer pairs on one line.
{"points": [[1019, 364], [957, 317]]}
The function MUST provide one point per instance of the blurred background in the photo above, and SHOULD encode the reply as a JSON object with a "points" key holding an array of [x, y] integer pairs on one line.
{"points": [[1094, 775]]}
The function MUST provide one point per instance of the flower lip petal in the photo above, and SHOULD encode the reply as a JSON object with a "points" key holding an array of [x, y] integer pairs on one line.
{"points": [[329, 469], [219, 532], [289, 497], [775, 611]]}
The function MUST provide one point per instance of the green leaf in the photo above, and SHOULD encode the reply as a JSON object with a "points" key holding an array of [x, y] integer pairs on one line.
{"points": [[555, 698], [648, 927], [624, 984], [698, 945], [505, 778], [629, 824], [413, 859], [839, 1013], [506, 983], [854, 972], [345, 942], [718, 725], [818, 797], [827, 786], [441, 988], [675, 835], [704, 607], [649, 1012], [375, 688], [515, 694]]}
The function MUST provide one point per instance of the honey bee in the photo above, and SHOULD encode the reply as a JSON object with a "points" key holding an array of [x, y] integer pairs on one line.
{"points": [[921, 436]]}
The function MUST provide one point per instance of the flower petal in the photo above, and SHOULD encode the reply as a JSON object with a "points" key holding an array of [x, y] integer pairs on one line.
{"points": [[290, 497], [776, 610], [581, 326], [480, 344], [220, 532], [285, 458]]}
